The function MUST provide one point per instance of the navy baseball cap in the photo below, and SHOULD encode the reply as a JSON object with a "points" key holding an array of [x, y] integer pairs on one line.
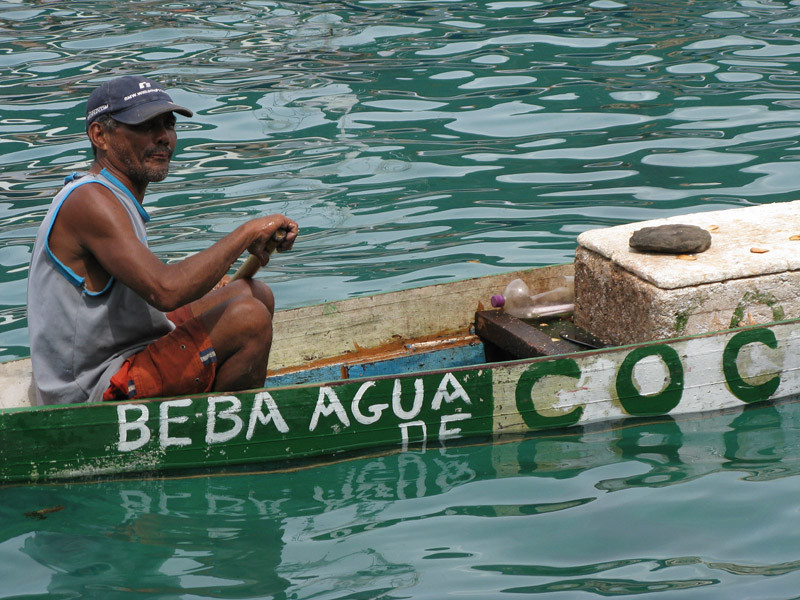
{"points": [[131, 100]]}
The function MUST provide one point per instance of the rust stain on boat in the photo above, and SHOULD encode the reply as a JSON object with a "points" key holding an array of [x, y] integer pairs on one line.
{"points": [[398, 346]]}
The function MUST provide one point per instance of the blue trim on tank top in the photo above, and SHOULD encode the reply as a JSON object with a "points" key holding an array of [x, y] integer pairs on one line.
{"points": [[68, 273], [119, 184]]}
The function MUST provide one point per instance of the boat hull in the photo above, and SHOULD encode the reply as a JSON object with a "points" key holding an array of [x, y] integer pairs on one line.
{"points": [[697, 374]]}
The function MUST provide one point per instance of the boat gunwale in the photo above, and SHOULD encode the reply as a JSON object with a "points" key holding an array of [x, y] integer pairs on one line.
{"points": [[475, 367]]}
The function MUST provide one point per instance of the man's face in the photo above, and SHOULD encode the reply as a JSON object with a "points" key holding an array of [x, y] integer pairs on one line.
{"points": [[143, 151]]}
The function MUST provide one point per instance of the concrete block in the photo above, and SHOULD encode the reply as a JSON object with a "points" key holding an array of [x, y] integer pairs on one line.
{"points": [[749, 275]]}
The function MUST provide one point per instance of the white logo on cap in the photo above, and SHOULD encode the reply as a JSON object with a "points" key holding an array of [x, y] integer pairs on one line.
{"points": [[97, 111], [144, 85]]}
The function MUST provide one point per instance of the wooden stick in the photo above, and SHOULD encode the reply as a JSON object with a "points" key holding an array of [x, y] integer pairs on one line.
{"points": [[251, 266]]}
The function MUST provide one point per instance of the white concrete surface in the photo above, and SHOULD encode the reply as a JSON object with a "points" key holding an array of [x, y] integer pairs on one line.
{"points": [[735, 233]]}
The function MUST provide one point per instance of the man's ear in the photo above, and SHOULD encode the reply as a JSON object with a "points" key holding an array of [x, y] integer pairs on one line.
{"points": [[98, 135]]}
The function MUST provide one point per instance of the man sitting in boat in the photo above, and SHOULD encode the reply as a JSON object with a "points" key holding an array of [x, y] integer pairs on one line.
{"points": [[108, 320]]}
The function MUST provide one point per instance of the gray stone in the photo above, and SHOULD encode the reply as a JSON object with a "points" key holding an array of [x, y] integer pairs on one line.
{"points": [[671, 239]]}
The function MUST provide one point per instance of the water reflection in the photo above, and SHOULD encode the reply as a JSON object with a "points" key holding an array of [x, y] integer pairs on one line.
{"points": [[472, 137], [487, 517]]}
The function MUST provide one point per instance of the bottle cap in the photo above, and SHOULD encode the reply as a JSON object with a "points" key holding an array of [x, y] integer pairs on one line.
{"points": [[498, 301]]}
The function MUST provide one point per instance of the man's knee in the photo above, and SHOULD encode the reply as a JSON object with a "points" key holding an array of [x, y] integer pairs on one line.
{"points": [[256, 289], [263, 294], [249, 315], [240, 321]]}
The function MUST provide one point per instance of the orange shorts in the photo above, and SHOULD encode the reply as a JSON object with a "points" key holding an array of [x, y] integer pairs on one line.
{"points": [[181, 315], [181, 362]]}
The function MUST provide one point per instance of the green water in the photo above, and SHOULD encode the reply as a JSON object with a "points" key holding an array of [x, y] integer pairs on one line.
{"points": [[703, 508], [414, 142], [418, 142]]}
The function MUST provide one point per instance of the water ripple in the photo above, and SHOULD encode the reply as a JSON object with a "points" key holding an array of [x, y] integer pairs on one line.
{"points": [[516, 125]]}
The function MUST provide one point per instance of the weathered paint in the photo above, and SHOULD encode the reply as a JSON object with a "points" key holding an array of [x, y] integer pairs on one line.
{"points": [[680, 376], [356, 330], [435, 360]]}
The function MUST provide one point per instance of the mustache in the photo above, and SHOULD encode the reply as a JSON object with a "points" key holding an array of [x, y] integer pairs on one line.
{"points": [[160, 149]]}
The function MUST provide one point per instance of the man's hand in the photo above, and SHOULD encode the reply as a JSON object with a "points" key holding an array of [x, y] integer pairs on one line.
{"points": [[263, 230]]}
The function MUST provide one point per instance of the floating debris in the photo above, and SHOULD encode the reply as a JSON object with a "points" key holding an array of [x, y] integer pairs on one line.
{"points": [[42, 513], [759, 250]]}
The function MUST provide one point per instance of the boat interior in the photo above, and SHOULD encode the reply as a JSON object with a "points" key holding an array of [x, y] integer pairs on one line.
{"points": [[495, 337], [430, 328]]}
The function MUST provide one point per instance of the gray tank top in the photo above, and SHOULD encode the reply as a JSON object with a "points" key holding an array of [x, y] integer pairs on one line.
{"points": [[80, 338]]}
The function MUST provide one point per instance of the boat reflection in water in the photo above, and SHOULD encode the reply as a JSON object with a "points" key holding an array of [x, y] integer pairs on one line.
{"points": [[379, 523]]}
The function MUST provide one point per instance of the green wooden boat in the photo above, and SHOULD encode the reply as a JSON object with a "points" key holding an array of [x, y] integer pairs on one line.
{"points": [[395, 370]]}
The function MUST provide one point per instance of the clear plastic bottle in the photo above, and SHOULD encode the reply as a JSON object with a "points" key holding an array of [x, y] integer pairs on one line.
{"points": [[517, 300]]}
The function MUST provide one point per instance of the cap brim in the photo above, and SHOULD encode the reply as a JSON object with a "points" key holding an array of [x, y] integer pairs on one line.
{"points": [[145, 112]]}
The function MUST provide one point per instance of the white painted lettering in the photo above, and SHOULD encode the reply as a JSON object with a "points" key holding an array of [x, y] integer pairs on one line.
{"points": [[376, 410], [397, 407], [125, 427], [455, 432], [321, 409], [273, 414], [230, 414], [443, 394], [404, 427], [165, 420]]}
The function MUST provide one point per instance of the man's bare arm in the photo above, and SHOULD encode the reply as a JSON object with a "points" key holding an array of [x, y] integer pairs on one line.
{"points": [[93, 235]]}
